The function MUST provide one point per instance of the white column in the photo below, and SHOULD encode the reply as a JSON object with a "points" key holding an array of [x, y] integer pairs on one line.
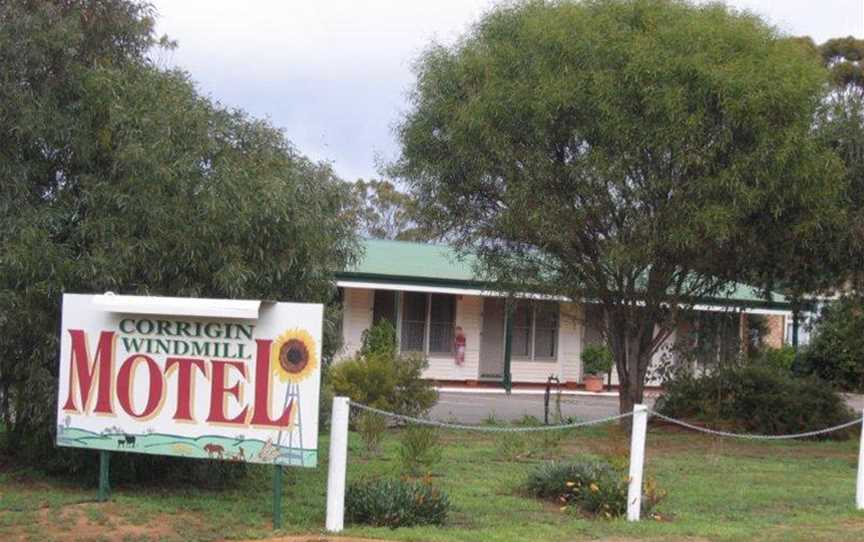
{"points": [[337, 467], [637, 461], [859, 494]]}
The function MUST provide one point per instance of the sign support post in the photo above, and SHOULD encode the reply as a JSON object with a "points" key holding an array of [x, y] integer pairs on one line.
{"points": [[859, 491], [277, 496], [104, 485], [637, 461], [338, 464]]}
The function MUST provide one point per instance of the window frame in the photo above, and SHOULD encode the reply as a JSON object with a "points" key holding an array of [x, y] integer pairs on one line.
{"points": [[427, 324], [532, 340]]}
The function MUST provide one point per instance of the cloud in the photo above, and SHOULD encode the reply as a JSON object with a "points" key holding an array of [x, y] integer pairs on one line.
{"points": [[334, 73]]}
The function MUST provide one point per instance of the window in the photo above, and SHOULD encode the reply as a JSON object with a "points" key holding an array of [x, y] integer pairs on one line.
{"points": [[442, 314], [384, 307], [428, 323], [535, 331], [414, 314], [545, 330], [522, 317]]}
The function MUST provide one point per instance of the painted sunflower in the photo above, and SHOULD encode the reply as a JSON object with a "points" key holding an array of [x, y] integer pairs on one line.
{"points": [[293, 357]]}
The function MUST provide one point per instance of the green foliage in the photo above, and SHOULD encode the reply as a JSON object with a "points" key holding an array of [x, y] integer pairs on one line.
{"points": [[382, 377], [781, 358], [371, 427], [383, 212], [599, 150], [117, 174], [756, 399], [596, 360], [836, 349], [395, 503], [419, 450], [592, 487]]}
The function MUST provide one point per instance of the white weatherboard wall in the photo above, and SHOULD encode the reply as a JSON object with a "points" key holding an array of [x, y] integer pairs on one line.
{"points": [[356, 318]]}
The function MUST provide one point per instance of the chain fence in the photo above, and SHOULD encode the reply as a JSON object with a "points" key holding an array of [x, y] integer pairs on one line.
{"points": [[752, 436], [598, 421], [487, 428]]}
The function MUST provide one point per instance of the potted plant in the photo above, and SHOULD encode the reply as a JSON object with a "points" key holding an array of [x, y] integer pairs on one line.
{"points": [[596, 362]]}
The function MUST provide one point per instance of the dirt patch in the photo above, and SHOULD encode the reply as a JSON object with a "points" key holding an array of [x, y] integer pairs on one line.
{"points": [[313, 538], [102, 521]]}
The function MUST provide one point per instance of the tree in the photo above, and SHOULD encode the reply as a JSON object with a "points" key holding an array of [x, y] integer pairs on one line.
{"points": [[840, 126], [642, 154], [384, 212], [118, 175]]}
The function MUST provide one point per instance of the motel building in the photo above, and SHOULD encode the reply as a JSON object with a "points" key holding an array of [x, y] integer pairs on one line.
{"points": [[427, 292]]}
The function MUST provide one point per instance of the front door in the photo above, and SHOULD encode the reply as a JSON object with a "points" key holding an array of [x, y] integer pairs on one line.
{"points": [[492, 339]]}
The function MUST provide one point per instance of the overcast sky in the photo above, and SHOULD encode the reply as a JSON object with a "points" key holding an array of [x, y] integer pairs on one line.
{"points": [[334, 73]]}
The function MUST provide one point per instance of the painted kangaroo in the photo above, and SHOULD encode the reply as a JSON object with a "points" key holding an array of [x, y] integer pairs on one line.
{"points": [[214, 450], [127, 440]]}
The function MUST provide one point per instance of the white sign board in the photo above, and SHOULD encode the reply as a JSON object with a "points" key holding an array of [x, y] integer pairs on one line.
{"points": [[219, 379]]}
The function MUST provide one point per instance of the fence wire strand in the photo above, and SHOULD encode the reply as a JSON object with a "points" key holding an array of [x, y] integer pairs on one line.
{"points": [[487, 428], [749, 436]]}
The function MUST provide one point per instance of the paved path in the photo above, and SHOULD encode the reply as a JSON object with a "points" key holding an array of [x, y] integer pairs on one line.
{"points": [[472, 408], [476, 407]]}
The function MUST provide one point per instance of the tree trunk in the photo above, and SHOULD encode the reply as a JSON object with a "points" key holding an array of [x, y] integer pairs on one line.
{"points": [[630, 338]]}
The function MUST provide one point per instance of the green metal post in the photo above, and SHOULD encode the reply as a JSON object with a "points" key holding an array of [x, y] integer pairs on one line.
{"points": [[277, 496], [104, 486], [508, 343]]}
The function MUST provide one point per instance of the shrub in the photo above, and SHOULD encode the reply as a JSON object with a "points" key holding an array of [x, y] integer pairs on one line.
{"points": [[395, 503], [781, 358], [596, 360], [371, 427], [756, 399], [588, 486], [381, 377], [419, 450], [836, 351]]}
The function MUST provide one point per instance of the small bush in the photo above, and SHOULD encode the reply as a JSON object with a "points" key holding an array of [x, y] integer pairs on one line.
{"points": [[381, 377], [776, 358], [836, 351], [756, 399], [596, 360], [371, 427], [419, 450], [395, 503], [592, 487]]}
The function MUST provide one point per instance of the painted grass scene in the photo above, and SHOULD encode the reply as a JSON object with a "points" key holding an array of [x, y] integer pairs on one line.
{"points": [[207, 447]]}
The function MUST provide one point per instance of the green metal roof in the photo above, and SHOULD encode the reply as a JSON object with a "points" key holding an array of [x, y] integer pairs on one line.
{"points": [[407, 260], [420, 263]]}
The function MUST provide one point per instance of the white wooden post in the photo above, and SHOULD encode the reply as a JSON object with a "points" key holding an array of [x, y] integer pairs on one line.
{"points": [[637, 461], [859, 494], [338, 463]]}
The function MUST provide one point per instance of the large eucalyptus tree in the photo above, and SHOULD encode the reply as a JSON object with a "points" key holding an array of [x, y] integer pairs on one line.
{"points": [[641, 154]]}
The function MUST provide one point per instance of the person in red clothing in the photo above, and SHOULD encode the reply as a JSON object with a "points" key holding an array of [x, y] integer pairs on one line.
{"points": [[459, 345]]}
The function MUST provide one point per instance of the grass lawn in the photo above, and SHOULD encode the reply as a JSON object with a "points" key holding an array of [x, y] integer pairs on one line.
{"points": [[717, 490]]}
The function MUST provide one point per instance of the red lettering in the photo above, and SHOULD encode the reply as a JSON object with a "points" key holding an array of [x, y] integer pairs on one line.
{"points": [[218, 392], [185, 384], [125, 383], [261, 410], [85, 373]]}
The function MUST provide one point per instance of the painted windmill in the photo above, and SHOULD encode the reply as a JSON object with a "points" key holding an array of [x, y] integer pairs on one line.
{"points": [[294, 357]]}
